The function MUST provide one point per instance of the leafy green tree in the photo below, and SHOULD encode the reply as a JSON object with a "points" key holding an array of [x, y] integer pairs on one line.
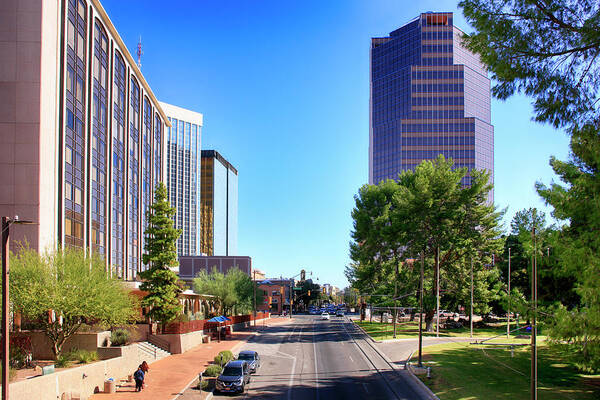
{"points": [[62, 290], [546, 49], [232, 291], [160, 255], [426, 211], [576, 327], [309, 292]]}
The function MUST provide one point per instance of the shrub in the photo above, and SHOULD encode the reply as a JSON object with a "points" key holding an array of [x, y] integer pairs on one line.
{"points": [[119, 337], [182, 318], [205, 385], [84, 356], [223, 357], [212, 370], [62, 361], [18, 358]]}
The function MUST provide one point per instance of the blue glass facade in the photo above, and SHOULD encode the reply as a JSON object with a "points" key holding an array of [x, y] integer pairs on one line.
{"points": [[429, 96], [183, 175]]}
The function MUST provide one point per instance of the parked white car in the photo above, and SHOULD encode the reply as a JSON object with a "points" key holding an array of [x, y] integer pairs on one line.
{"points": [[325, 315]]}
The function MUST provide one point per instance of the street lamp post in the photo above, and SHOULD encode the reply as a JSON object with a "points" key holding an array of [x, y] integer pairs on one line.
{"points": [[254, 287], [533, 319], [6, 222], [421, 310], [471, 317], [508, 312]]}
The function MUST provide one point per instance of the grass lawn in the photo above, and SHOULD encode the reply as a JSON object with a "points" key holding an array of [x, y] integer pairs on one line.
{"points": [[463, 371], [405, 330]]}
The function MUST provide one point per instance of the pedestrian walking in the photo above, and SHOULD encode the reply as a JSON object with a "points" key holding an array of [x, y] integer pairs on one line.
{"points": [[139, 379], [145, 368]]}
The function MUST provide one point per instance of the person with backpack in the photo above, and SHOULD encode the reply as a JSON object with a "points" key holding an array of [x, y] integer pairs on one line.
{"points": [[139, 379]]}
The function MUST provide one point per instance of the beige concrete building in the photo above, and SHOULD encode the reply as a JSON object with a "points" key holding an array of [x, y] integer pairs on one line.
{"points": [[81, 133]]}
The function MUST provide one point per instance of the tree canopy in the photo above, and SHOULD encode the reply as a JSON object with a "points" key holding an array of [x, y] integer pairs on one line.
{"points": [[427, 211], [546, 49], [549, 51], [62, 290], [233, 291]]}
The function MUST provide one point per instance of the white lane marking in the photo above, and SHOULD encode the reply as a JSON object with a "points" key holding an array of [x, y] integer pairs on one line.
{"points": [[291, 382], [349, 356], [315, 355]]}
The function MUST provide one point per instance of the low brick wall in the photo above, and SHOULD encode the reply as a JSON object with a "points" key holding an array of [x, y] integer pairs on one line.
{"points": [[180, 343], [42, 346], [84, 380]]}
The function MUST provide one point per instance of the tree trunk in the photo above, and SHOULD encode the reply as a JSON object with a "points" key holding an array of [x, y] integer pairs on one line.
{"points": [[429, 320]]}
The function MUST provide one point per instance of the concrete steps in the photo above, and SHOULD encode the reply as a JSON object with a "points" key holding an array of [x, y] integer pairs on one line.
{"points": [[151, 351]]}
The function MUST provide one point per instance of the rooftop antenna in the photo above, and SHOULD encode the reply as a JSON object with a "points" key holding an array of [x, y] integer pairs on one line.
{"points": [[139, 53]]}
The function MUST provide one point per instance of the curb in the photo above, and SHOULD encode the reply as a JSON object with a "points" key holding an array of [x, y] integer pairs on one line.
{"points": [[365, 332], [421, 384], [210, 394]]}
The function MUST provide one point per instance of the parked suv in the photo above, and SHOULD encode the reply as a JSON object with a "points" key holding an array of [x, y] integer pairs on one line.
{"points": [[251, 357], [234, 377]]}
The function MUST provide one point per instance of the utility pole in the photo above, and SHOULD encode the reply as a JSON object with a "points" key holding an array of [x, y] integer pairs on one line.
{"points": [[5, 308], [291, 297], [533, 319], [6, 223], [437, 284], [395, 301], [421, 310], [508, 312], [471, 318]]}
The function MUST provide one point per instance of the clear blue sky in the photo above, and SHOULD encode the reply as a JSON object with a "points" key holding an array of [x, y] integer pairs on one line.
{"points": [[284, 89]]}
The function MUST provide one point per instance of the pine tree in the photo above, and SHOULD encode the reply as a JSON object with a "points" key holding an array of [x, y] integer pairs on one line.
{"points": [[160, 255]]}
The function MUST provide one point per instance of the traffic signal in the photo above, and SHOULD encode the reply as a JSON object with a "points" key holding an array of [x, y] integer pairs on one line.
{"points": [[309, 293], [303, 275]]}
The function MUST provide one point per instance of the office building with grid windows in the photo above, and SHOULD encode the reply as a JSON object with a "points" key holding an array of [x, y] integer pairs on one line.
{"points": [[81, 131], [429, 95], [219, 206], [183, 175]]}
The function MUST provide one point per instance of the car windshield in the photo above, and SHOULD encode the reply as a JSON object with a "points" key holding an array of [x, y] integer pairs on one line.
{"points": [[246, 357], [232, 371]]}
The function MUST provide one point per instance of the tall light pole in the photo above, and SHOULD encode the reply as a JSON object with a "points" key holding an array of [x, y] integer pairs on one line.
{"points": [[421, 309], [471, 317], [6, 223], [508, 311], [533, 319], [437, 284]]}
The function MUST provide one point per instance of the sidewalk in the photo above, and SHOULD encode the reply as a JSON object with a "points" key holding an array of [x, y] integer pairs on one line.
{"points": [[170, 376]]}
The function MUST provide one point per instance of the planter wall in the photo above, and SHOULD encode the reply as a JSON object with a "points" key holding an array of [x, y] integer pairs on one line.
{"points": [[85, 379]]}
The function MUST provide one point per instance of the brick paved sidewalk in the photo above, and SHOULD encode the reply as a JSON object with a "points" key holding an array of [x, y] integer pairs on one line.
{"points": [[170, 376]]}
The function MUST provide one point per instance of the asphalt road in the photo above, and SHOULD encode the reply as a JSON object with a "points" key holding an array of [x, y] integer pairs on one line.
{"points": [[310, 358]]}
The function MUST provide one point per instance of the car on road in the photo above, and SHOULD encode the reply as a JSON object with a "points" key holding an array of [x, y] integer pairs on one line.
{"points": [[339, 313], [325, 315], [234, 378], [252, 358]]}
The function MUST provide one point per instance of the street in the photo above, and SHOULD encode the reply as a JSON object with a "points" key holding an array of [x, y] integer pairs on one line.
{"points": [[310, 358]]}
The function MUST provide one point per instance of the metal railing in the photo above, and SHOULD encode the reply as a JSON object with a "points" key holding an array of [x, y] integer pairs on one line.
{"points": [[159, 342]]}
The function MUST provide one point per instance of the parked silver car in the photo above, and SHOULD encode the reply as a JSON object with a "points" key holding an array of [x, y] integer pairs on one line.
{"points": [[251, 357]]}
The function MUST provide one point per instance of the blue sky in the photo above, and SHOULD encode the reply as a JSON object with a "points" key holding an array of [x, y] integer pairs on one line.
{"points": [[284, 89]]}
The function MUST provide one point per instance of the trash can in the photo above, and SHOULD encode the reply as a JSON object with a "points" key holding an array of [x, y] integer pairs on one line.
{"points": [[110, 386]]}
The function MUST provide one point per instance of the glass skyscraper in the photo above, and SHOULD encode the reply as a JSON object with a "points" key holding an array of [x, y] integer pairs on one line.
{"points": [[429, 96], [183, 175], [219, 205]]}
